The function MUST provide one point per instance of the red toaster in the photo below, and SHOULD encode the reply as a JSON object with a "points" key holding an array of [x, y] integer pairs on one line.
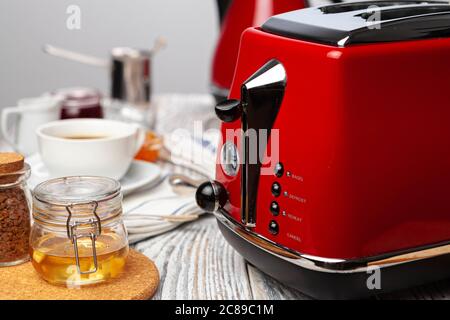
{"points": [[334, 165]]}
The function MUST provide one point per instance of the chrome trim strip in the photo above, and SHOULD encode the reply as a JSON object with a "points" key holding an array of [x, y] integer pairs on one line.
{"points": [[329, 265], [216, 192]]}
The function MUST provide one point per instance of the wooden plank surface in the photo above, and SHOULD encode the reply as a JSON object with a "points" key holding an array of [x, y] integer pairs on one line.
{"points": [[195, 262]]}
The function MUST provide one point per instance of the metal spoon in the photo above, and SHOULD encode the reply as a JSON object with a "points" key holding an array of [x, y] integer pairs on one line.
{"points": [[169, 218], [160, 43], [184, 185]]}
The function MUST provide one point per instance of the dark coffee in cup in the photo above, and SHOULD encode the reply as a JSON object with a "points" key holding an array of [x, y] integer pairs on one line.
{"points": [[84, 137]]}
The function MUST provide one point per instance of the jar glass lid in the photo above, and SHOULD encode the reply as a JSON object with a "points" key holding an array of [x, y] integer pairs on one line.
{"points": [[77, 190]]}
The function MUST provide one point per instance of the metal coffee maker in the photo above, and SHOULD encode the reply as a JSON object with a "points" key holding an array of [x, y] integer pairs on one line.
{"points": [[130, 75], [130, 80]]}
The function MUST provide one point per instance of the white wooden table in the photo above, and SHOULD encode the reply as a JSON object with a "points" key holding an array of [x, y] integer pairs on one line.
{"points": [[195, 261]]}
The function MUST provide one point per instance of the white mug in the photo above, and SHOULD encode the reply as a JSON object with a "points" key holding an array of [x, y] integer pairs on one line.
{"points": [[89, 147], [18, 124]]}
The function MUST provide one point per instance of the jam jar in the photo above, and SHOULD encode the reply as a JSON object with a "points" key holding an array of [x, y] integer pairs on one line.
{"points": [[78, 237], [80, 103]]}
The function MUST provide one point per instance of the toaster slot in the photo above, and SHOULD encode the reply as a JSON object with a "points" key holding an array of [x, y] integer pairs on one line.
{"points": [[398, 13], [346, 7], [369, 22]]}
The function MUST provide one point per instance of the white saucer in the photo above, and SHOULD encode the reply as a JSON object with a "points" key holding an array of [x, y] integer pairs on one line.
{"points": [[139, 175]]}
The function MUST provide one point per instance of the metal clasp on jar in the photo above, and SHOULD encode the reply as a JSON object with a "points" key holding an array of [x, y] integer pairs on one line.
{"points": [[73, 235]]}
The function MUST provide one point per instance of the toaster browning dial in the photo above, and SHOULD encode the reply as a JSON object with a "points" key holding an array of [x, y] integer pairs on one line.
{"points": [[229, 159]]}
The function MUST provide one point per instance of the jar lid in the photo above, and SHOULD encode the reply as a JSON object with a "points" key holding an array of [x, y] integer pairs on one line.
{"points": [[78, 93], [10, 162], [77, 190], [13, 169], [79, 97]]}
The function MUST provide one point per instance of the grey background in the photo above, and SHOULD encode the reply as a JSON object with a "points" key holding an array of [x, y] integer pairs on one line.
{"points": [[190, 26]]}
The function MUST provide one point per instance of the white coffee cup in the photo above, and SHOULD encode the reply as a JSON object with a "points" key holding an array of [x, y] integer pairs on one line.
{"points": [[89, 147], [18, 124]]}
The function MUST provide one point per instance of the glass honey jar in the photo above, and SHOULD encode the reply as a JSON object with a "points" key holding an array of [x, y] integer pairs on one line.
{"points": [[78, 237]]}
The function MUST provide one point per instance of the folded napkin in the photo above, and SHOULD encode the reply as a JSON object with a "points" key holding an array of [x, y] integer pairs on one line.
{"points": [[144, 222], [197, 153], [143, 209]]}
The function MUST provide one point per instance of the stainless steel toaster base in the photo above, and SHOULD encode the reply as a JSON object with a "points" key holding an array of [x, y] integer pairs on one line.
{"points": [[336, 279]]}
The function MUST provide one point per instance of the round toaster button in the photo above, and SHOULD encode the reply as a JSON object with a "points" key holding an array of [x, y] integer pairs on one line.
{"points": [[279, 170], [275, 208], [273, 227], [276, 189]]}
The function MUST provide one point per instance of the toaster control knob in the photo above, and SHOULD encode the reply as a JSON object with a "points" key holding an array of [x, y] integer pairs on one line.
{"points": [[211, 196], [229, 110], [279, 170], [276, 189], [273, 227], [275, 208]]}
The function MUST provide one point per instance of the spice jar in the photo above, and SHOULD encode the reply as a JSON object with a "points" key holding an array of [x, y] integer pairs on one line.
{"points": [[78, 236], [14, 209]]}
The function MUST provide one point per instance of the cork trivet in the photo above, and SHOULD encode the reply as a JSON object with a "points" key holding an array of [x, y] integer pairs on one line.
{"points": [[138, 282], [10, 162]]}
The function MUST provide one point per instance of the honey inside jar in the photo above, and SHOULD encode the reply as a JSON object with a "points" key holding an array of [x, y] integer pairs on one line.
{"points": [[53, 258], [78, 236]]}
